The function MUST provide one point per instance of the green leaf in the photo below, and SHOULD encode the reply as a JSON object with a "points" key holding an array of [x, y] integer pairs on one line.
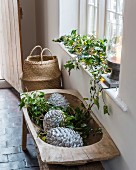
{"points": [[41, 94], [92, 88], [70, 126], [73, 32], [96, 102], [105, 108], [69, 65], [85, 99], [70, 118], [44, 138]]}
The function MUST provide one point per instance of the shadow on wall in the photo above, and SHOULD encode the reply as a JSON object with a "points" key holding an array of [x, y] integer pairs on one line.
{"points": [[41, 8], [113, 164]]}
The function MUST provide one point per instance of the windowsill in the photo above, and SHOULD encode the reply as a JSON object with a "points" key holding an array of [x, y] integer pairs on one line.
{"points": [[112, 92]]}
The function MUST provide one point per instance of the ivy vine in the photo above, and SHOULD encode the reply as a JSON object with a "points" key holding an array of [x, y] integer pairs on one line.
{"points": [[91, 52], [77, 119]]}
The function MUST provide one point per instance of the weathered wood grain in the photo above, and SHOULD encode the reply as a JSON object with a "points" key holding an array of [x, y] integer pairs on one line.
{"points": [[103, 149], [10, 43], [24, 134]]}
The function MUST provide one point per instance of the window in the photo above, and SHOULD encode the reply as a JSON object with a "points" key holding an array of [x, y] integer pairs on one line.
{"points": [[114, 27], [114, 17], [103, 17], [92, 14]]}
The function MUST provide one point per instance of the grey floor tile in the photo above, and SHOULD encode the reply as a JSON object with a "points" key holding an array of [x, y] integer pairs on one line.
{"points": [[11, 155], [10, 150], [3, 158]]}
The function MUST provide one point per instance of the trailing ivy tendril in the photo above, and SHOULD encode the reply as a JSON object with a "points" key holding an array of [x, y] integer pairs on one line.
{"points": [[91, 52]]}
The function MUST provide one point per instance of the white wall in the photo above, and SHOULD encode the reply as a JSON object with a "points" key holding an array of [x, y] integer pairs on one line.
{"points": [[68, 13], [47, 22], [28, 24], [41, 22], [120, 125]]}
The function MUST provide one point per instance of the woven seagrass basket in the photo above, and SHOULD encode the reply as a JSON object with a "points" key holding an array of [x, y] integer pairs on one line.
{"points": [[41, 71], [39, 85]]}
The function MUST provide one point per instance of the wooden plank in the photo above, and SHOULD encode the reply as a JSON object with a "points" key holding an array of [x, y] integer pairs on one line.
{"points": [[57, 155], [18, 45], [20, 30], [1, 46], [79, 155], [5, 71], [9, 44], [7, 52], [13, 43], [24, 134], [67, 155], [90, 166], [10, 48], [2, 38]]}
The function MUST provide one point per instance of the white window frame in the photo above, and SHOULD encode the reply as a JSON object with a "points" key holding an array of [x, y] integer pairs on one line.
{"points": [[95, 15], [82, 20], [101, 17], [113, 12]]}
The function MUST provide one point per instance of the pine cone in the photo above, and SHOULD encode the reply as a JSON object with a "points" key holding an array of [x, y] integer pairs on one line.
{"points": [[64, 137], [52, 119], [57, 99]]}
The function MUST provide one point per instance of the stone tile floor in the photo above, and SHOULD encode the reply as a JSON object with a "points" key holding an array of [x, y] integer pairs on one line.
{"points": [[11, 155]]}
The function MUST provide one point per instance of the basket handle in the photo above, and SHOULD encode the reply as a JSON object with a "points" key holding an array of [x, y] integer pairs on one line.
{"points": [[45, 49], [38, 46]]}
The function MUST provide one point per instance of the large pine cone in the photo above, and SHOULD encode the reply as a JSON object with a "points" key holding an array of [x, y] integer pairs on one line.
{"points": [[64, 137], [57, 99], [53, 119]]}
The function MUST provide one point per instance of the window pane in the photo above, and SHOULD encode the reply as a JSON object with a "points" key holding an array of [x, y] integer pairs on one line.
{"points": [[120, 6], [111, 30], [114, 23], [111, 5], [90, 1], [111, 17], [92, 17], [119, 28], [95, 2], [114, 28]]}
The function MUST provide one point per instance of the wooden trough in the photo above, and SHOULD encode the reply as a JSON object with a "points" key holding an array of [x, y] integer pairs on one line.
{"points": [[100, 147]]}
